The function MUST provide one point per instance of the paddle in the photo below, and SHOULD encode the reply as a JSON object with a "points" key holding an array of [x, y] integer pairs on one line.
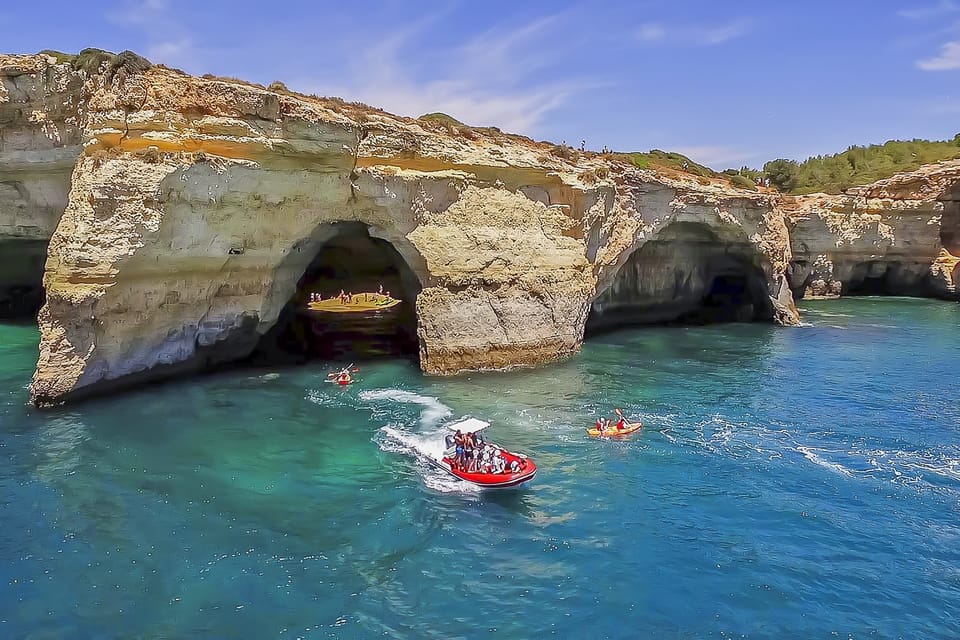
{"points": [[620, 413], [344, 370]]}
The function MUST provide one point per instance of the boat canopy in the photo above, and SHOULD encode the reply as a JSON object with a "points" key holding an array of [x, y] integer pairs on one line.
{"points": [[468, 424]]}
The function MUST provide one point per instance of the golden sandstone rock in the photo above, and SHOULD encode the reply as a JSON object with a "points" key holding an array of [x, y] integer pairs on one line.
{"points": [[191, 207]]}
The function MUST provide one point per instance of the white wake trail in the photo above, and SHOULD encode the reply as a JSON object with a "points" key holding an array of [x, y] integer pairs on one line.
{"points": [[423, 439]]}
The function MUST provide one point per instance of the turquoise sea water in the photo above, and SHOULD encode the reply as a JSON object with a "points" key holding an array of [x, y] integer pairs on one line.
{"points": [[790, 483]]}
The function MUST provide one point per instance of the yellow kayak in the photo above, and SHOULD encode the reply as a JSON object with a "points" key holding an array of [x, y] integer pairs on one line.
{"points": [[613, 432]]}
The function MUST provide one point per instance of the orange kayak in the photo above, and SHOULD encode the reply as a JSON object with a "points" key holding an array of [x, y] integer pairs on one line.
{"points": [[613, 432]]}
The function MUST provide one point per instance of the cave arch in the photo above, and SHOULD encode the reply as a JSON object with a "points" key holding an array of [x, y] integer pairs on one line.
{"points": [[352, 257], [888, 278], [687, 274]]}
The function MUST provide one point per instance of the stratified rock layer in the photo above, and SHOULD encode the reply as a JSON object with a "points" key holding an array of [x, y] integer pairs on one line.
{"points": [[899, 236], [195, 205]]}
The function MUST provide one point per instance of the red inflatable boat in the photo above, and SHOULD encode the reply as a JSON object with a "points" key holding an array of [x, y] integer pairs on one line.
{"points": [[494, 466]]}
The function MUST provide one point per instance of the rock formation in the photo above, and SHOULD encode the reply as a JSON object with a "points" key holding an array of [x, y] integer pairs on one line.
{"points": [[39, 144], [195, 206], [899, 236]]}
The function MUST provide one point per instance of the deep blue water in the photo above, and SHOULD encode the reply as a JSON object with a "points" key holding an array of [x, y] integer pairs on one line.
{"points": [[790, 483]]}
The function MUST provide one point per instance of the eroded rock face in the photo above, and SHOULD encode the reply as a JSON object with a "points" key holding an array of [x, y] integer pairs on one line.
{"points": [[894, 237], [196, 205], [39, 143]]}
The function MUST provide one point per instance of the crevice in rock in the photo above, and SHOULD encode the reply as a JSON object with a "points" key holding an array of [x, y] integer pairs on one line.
{"points": [[686, 275]]}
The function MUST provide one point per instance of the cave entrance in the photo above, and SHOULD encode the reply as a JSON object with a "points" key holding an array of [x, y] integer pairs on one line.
{"points": [[348, 259], [686, 275], [887, 278], [21, 278]]}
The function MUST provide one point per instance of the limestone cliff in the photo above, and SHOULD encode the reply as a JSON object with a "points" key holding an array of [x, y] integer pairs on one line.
{"points": [[40, 104], [195, 206], [899, 236]]}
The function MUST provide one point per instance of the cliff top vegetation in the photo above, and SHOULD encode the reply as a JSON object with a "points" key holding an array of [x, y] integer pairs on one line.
{"points": [[858, 165]]}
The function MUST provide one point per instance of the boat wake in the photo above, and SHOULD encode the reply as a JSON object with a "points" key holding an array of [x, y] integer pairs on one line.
{"points": [[923, 469], [420, 437]]}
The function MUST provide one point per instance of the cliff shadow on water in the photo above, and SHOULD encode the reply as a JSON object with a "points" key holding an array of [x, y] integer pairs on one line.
{"points": [[366, 268], [686, 275]]}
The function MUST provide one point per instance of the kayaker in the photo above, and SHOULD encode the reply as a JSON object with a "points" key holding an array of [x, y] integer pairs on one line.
{"points": [[599, 424], [622, 422]]}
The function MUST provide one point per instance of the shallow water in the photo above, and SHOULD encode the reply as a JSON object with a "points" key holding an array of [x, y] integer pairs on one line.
{"points": [[789, 483]]}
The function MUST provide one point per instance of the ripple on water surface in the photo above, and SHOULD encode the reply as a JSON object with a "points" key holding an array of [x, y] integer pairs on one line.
{"points": [[787, 483]]}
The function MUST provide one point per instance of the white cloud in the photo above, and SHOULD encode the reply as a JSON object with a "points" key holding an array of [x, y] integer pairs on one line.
{"points": [[702, 35], [174, 52], [726, 32], [949, 58], [651, 32], [494, 79], [165, 38], [942, 8], [138, 12]]}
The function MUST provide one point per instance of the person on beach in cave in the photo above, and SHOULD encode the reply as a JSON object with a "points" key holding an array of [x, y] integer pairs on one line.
{"points": [[342, 297]]}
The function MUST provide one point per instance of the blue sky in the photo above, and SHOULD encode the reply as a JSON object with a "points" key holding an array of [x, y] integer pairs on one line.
{"points": [[728, 83]]}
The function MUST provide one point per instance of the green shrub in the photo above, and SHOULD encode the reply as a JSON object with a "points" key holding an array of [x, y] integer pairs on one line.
{"points": [[59, 55], [863, 165], [743, 182]]}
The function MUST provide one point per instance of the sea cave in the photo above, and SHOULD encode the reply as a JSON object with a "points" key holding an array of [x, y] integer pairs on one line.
{"points": [[686, 275]]}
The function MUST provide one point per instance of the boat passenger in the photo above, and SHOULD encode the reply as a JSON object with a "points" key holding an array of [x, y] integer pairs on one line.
{"points": [[486, 461], [458, 458], [599, 424], [515, 466], [499, 463], [468, 449], [621, 424]]}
